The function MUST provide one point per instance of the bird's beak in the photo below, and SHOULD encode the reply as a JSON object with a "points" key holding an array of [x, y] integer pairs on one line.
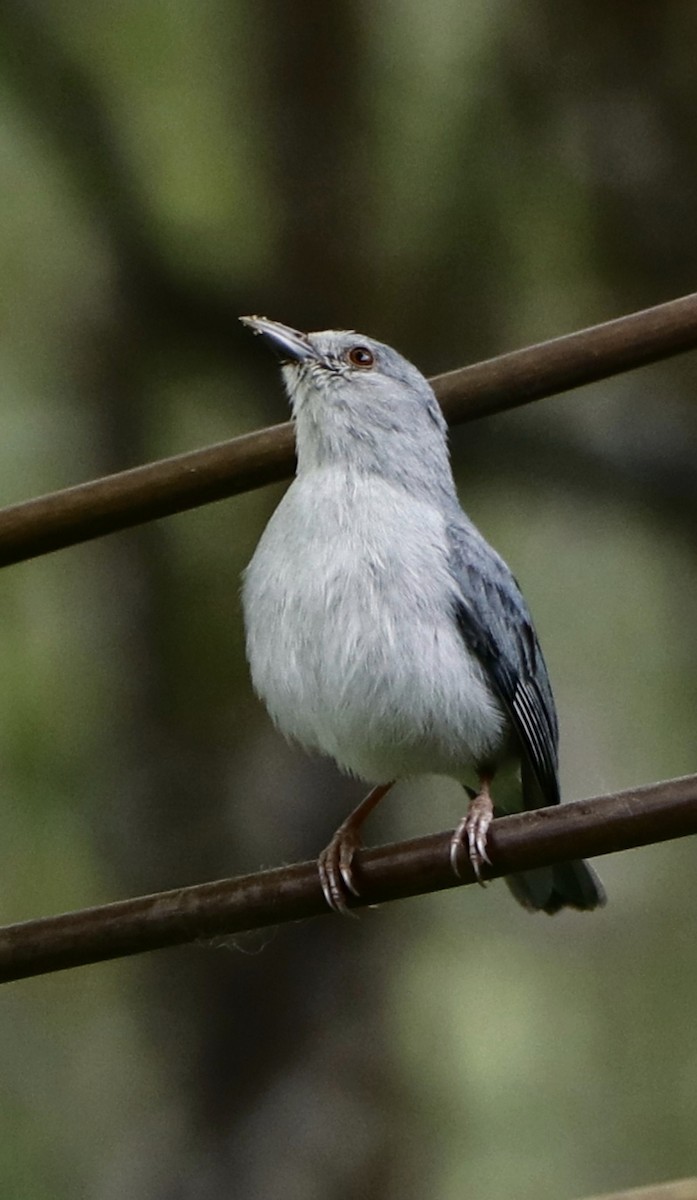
{"points": [[287, 342]]}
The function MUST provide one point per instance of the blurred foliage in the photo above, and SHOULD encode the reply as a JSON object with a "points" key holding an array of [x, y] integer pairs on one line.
{"points": [[458, 179]]}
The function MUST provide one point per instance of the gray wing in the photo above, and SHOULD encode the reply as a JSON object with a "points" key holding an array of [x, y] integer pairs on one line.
{"points": [[496, 625]]}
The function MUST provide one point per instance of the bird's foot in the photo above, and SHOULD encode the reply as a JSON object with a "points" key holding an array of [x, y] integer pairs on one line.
{"points": [[471, 833], [335, 863], [335, 866]]}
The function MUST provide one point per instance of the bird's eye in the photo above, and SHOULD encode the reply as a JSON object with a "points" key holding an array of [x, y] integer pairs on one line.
{"points": [[361, 356]]}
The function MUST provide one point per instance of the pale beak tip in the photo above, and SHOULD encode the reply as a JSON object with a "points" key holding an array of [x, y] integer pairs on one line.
{"points": [[288, 344]]}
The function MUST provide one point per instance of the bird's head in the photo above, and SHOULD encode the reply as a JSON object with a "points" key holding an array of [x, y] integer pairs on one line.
{"points": [[357, 402]]}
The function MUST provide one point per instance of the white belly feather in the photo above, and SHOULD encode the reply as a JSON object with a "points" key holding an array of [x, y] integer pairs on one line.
{"points": [[350, 635]]}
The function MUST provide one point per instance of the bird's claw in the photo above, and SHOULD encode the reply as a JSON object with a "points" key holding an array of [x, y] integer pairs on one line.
{"points": [[335, 863], [471, 835], [335, 866]]}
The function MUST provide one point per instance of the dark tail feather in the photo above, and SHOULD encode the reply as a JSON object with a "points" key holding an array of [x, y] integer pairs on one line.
{"points": [[566, 885]]}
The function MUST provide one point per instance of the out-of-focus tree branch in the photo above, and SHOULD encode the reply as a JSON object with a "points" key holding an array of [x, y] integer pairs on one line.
{"points": [[604, 825], [677, 1189], [187, 481], [66, 106]]}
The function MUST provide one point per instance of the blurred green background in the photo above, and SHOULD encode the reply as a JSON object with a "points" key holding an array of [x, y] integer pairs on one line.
{"points": [[458, 179]]}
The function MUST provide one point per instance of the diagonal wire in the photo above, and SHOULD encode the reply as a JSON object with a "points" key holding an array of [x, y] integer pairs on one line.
{"points": [[187, 481], [210, 911]]}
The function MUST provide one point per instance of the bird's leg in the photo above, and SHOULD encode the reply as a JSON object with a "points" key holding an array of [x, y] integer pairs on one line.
{"points": [[471, 832], [335, 861]]}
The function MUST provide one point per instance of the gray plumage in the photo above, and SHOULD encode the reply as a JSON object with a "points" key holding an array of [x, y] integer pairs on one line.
{"points": [[382, 629]]}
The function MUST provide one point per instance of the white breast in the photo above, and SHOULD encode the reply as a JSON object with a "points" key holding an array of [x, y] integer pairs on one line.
{"points": [[350, 634]]}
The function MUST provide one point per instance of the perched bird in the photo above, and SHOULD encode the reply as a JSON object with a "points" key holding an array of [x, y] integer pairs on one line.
{"points": [[382, 629]]}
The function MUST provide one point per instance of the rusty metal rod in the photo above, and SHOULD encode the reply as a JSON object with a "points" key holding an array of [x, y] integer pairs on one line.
{"points": [[207, 911], [187, 481]]}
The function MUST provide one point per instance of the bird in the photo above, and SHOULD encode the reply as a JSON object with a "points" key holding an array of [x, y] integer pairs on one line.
{"points": [[382, 629]]}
